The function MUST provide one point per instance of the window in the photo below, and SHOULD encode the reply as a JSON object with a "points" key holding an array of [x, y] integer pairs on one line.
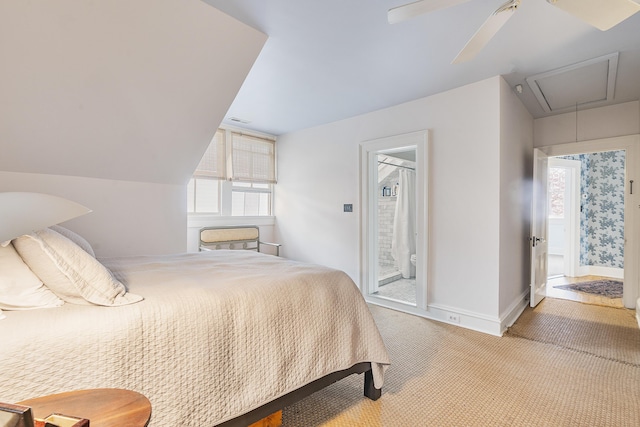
{"points": [[557, 184], [235, 176], [203, 191], [253, 159], [250, 199]]}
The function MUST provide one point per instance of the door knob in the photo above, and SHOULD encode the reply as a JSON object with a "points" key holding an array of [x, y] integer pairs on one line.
{"points": [[535, 240]]}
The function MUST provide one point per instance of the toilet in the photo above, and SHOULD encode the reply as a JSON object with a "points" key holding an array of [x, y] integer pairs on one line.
{"points": [[413, 259]]}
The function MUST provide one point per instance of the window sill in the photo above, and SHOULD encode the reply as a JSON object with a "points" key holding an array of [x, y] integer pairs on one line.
{"points": [[204, 220]]}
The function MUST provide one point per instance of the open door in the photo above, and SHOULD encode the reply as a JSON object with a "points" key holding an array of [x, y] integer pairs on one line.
{"points": [[539, 226]]}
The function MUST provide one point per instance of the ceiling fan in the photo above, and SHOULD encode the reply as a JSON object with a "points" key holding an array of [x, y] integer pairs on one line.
{"points": [[602, 14]]}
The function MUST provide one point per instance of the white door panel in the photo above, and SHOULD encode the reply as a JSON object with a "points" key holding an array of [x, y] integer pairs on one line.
{"points": [[539, 227]]}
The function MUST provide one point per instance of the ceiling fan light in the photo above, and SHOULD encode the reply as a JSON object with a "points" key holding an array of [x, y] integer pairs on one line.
{"points": [[602, 14]]}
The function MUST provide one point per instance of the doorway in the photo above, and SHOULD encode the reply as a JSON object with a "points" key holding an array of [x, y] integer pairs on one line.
{"points": [[607, 224], [564, 217], [586, 194], [394, 217], [397, 225]]}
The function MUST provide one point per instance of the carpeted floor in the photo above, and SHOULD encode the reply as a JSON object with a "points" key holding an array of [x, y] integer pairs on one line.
{"points": [[536, 375], [609, 333], [605, 288]]}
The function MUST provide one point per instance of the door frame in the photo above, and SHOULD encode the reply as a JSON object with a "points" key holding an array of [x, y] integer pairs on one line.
{"points": [[631, 144], [369, 213]]}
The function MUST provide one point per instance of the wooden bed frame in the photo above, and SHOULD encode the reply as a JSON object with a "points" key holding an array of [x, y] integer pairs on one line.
{"points": [[290, 398]]}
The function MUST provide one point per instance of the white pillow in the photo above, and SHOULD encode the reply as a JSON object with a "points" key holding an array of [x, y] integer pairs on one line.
{"points": [[70, 272], [20, 289], [75, 238]]}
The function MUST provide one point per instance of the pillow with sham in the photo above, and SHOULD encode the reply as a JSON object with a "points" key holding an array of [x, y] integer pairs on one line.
{"points": [[20, 289], [70, 272], [75, 238]]}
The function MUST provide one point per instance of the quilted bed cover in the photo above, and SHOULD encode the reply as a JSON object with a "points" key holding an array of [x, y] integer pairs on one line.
{"points": [[218, 334]]}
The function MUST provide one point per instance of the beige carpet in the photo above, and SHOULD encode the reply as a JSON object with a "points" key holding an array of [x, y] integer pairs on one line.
{"points": [[443, 375], [611, 333]]}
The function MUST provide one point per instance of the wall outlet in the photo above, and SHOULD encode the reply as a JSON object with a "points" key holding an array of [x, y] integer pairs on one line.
{"points": [[453, 318], [348, 207]]}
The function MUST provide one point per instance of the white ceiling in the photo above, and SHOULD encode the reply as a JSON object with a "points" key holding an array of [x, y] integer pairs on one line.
{"points": [[332, 59]]}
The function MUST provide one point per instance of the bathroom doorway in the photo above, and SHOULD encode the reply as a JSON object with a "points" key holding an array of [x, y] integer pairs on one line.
{"points": [[394, 218], [397, 225]]}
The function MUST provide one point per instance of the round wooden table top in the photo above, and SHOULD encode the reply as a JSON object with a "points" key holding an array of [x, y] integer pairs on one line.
{"points": [[103, 407]]}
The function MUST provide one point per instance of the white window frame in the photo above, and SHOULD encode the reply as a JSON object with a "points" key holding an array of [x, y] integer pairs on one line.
{"points": [[200, 219], [193, 203]]}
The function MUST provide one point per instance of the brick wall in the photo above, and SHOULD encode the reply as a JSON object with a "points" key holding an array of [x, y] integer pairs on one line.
{"points": [[386, 213]]}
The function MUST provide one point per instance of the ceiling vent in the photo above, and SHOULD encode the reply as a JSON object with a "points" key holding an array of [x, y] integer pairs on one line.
{"points": [[239, 120], [585, 83]]}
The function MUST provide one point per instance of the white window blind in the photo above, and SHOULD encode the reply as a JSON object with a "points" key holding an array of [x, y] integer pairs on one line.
{"points": [[253, 159], [212, 164]]}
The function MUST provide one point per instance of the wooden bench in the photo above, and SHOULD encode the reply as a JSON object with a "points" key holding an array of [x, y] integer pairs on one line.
{"points": [[233, 237]]}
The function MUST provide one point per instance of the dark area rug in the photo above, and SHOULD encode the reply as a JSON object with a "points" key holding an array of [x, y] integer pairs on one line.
{"points": [[605, 288]]}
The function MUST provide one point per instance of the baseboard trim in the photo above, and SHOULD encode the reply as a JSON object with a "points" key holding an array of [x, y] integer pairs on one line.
{"points": [[459, 317], [467, 319], [445, 314], [597, 270], [514, 311]]}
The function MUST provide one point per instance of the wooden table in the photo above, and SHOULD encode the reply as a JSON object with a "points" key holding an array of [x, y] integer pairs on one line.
{"points": [[103, 407]]}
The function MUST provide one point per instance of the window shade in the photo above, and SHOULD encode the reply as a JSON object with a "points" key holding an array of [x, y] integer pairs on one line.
{"points": [[212, 164], [253, 159]]}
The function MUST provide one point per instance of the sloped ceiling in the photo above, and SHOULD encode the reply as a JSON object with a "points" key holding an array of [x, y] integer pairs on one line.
{"points": [[332, 59], [117, 89]]}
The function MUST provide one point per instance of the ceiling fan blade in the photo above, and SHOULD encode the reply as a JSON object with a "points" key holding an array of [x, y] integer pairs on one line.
{"points": [[411, 10], [486, 32], [602, 14]]}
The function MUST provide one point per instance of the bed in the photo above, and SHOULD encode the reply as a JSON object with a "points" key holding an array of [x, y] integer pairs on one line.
{"points": [[220, 338]]}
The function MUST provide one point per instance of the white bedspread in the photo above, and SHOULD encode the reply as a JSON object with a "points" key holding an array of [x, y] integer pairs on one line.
{"points": [[218, 334]]}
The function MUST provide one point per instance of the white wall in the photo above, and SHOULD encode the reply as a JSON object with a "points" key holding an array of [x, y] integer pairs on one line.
{"points": [[516, 169], [318, 173], [119, 89], [596, 123], [112, 104], [128, 218]]}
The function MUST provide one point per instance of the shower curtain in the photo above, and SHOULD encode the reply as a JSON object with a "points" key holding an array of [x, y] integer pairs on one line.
{"points": [[403, 244]]}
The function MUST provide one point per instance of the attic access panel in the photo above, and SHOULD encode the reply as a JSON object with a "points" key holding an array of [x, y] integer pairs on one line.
{"points": [[587, 82]]}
